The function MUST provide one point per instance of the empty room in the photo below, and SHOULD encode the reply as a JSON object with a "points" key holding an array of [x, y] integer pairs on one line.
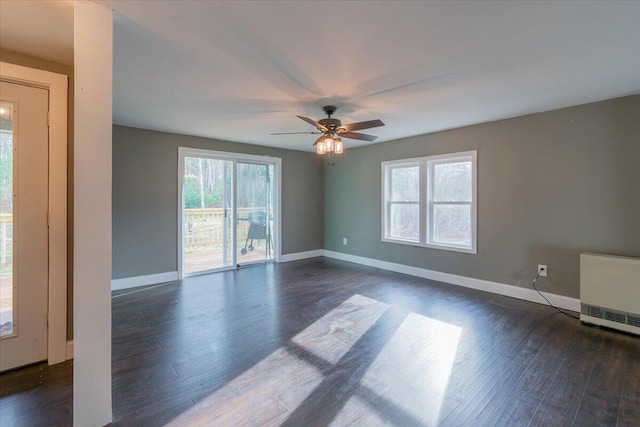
{"points": [[314, 213]]}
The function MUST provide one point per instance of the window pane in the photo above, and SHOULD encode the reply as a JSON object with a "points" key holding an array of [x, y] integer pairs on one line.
{"points": [[6, 220], [452, 225], [206, 223], [452, 182], [405, 221], [405, 184], [253, 227]]}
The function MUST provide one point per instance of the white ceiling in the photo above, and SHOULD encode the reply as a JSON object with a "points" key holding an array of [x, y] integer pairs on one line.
{"points": [[242, 70], [43, 28]]}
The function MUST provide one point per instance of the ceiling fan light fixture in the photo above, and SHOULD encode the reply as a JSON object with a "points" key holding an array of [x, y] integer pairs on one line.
{"points": [[328, 144], [332, 131], [339, 147]]}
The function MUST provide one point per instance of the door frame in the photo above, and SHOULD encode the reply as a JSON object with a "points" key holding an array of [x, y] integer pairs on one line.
{"points": [[235, 158], [57, 85]]}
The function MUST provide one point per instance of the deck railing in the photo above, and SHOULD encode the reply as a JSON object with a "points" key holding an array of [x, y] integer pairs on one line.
{"points": [[204, 228], [6, 236]]}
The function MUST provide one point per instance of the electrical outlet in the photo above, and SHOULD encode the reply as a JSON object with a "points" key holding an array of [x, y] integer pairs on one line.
{"points": [[344, 241], [542, 270]]}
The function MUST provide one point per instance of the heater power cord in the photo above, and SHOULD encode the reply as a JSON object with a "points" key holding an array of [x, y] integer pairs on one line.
{"points": [[549, 302]]}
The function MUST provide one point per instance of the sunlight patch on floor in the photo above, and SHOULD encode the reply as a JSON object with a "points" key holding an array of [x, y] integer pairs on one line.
{"points": [[271, 390], [412, 371], [408, 380], [359, 413], [264, 393], [335, 333]]}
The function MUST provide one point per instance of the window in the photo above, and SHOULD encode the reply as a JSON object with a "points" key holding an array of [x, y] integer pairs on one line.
{"points": [[404, 202], [431, 201]]}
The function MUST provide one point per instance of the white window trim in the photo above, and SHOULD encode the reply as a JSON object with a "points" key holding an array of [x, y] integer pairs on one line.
{"points": [[426, 191]]}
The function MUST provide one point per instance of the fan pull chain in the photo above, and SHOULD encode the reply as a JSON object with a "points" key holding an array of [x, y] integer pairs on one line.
{"points": [[331, 158]]}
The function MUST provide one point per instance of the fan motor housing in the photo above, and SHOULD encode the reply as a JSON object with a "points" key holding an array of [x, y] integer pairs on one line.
{"points": [[329, 110], [330, 123]]}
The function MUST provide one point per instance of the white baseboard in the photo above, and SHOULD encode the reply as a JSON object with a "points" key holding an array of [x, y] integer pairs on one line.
{"points": [[69, 350], [301, 255], [151, 279], [561, 301]]}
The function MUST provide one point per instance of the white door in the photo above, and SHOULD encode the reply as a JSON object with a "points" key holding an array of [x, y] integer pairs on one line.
{"points": [[24, 157]]}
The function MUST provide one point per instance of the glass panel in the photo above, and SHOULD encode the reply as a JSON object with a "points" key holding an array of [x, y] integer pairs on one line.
{"points": [[255, 213], [6, 220], [405, 185], [272, 214], [405, 221], [452, 182], [206, 204], [452, 225]]}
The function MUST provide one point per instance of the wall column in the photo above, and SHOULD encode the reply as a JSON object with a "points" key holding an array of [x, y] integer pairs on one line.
{"points": [[93, 67]]}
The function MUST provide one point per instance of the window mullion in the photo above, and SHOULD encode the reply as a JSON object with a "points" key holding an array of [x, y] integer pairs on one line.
{"points": [[452, 203]]}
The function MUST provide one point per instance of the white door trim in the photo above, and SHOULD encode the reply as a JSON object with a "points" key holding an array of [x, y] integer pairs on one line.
{"points": [[57, 86]]}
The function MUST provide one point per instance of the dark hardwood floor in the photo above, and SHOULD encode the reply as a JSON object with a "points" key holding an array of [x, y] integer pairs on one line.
{"points": [[323, 342]]}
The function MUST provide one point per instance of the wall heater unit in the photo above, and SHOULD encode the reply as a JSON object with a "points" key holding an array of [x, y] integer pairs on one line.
{"points": [[610, 291]]}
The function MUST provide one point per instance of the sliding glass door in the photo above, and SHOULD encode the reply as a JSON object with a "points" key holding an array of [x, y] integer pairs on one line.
{"points": [[254, 229], [206, 205], [227, 214]]}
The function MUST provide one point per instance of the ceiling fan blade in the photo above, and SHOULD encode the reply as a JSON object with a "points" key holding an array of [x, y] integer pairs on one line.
{"points": [[296, 133], [314, 123], [361, 125], [319, 140], [360, 136]]}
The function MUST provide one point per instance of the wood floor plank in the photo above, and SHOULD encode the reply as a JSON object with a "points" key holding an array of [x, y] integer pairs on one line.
{"points": [[601, 400], [560, 404], [491, 381], [628, 413], [37, 395], [535, 381], [324, 342], [629, 410]]}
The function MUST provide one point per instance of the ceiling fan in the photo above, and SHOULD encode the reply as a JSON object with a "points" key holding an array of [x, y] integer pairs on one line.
{"points": [[332, 130]]}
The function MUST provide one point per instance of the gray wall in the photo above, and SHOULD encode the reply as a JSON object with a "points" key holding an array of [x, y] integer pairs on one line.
{"points": [[550, 186], [145, 198]]}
